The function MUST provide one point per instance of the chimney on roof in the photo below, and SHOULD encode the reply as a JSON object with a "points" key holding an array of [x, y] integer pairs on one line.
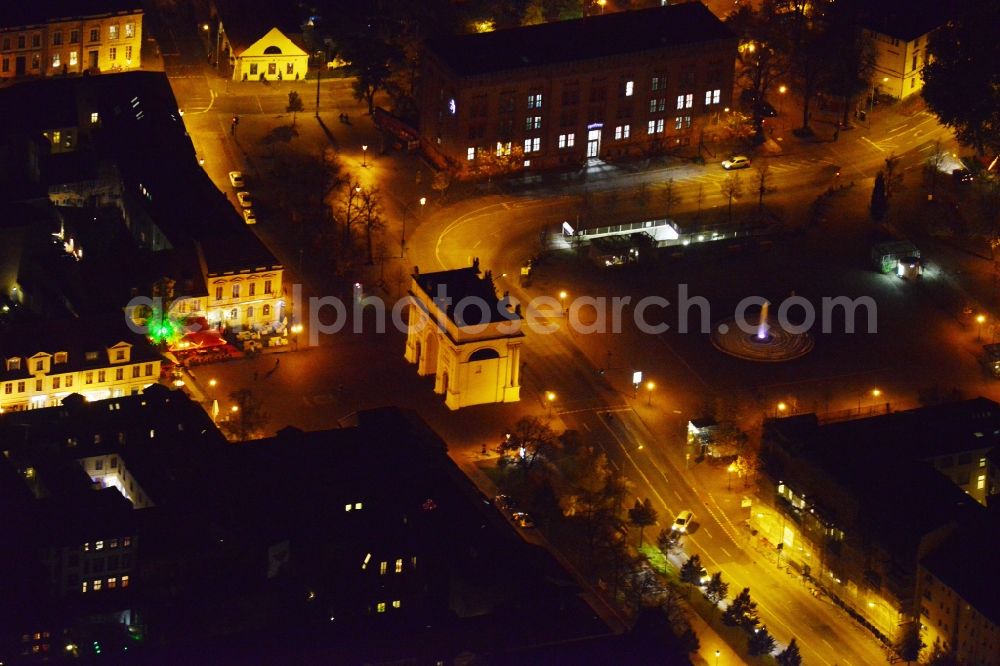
{"points": [[475, 264]]}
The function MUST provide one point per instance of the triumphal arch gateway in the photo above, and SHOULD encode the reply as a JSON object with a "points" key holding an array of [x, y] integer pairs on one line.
{"points": [[463, 334]]}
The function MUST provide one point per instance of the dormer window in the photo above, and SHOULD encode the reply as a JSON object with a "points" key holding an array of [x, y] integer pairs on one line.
{"points": [[61, 357], [13, 364], [91, 356], [119, 354]]}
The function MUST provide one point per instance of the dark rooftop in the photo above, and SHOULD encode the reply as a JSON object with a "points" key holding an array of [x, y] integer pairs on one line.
{"points": [[905, 19], [966, 563], [591, 38], [454, 286], [40, 11], [246, 21], [74, 336]]}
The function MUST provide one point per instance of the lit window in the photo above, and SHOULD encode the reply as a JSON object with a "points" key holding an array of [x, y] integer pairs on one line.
{"points": [[629, 88], [982, 462], [680, 101], [655, 126], [100, 544], [348, 507], [532, 145], [399, 565], [357, 506], [97, 585], [535, 101], [13, 364], [381, 607], [566, 140], [86, 547], [470, 153], [83, 587], [112, 583], [73, 59], [980, 482], [126, 542], [124, 581], [130, 29], [712, 96], [623, 132], [382, 567], [56, 60], [113, 31], [114, 542], [396, 603], [655, 84]]}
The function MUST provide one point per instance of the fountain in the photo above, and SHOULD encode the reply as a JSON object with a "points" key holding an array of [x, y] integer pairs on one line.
{"points": [[767, 342], [762, 323]]}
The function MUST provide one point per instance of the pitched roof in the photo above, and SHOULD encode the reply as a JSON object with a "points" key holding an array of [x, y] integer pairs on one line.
{"points": [[590, 38], [247, 21], [274, 39], [966, 563]]}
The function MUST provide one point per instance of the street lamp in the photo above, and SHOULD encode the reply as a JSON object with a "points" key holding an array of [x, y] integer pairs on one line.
{"points": [[296, 329], [562, 300], [364, 155], [550, 397], [649, 397], [979, 320], [320, 61], [729, 480], [875, 394], [717, 653], [602, 3], [781, 100], [782, 408]]}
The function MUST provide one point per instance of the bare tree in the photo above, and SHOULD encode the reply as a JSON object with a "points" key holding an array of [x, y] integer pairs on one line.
{"points": [[247, 416], [671, 197], [732, 188], [348, 211], [294, 104], [370, 215], [762, 176]]}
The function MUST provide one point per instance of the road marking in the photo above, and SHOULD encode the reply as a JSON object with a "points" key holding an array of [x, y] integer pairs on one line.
{"points": [[586, 425], [873, 145], [679, 498], [707, 533], [723, 549]]}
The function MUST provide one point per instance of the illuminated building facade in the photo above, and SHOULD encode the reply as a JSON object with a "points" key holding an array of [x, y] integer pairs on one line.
{"points": [[98, 359], [960, 597], [623, 84], [900, 33], [466, 337], [41, 39], [273, 57], [837, 514]]}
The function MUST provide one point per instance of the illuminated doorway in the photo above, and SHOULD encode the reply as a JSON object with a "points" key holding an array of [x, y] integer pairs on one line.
{"points": [[593, 143]]}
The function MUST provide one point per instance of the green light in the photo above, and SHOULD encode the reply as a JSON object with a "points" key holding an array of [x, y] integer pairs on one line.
{"points": [[163, 330]]}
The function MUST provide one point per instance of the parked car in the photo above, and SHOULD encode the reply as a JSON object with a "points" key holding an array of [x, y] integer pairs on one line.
{"points": [[504, 502], [248, 216], [244, 199], [962, 175], [523, 520], [683, 521], [736, 162], [237, 180]]}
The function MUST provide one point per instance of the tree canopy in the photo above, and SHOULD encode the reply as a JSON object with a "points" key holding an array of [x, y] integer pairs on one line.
{"points": [[962, 76]]}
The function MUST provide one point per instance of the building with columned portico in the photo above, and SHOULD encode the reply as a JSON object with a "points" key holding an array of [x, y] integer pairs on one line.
{"points": [[465, 336]]}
